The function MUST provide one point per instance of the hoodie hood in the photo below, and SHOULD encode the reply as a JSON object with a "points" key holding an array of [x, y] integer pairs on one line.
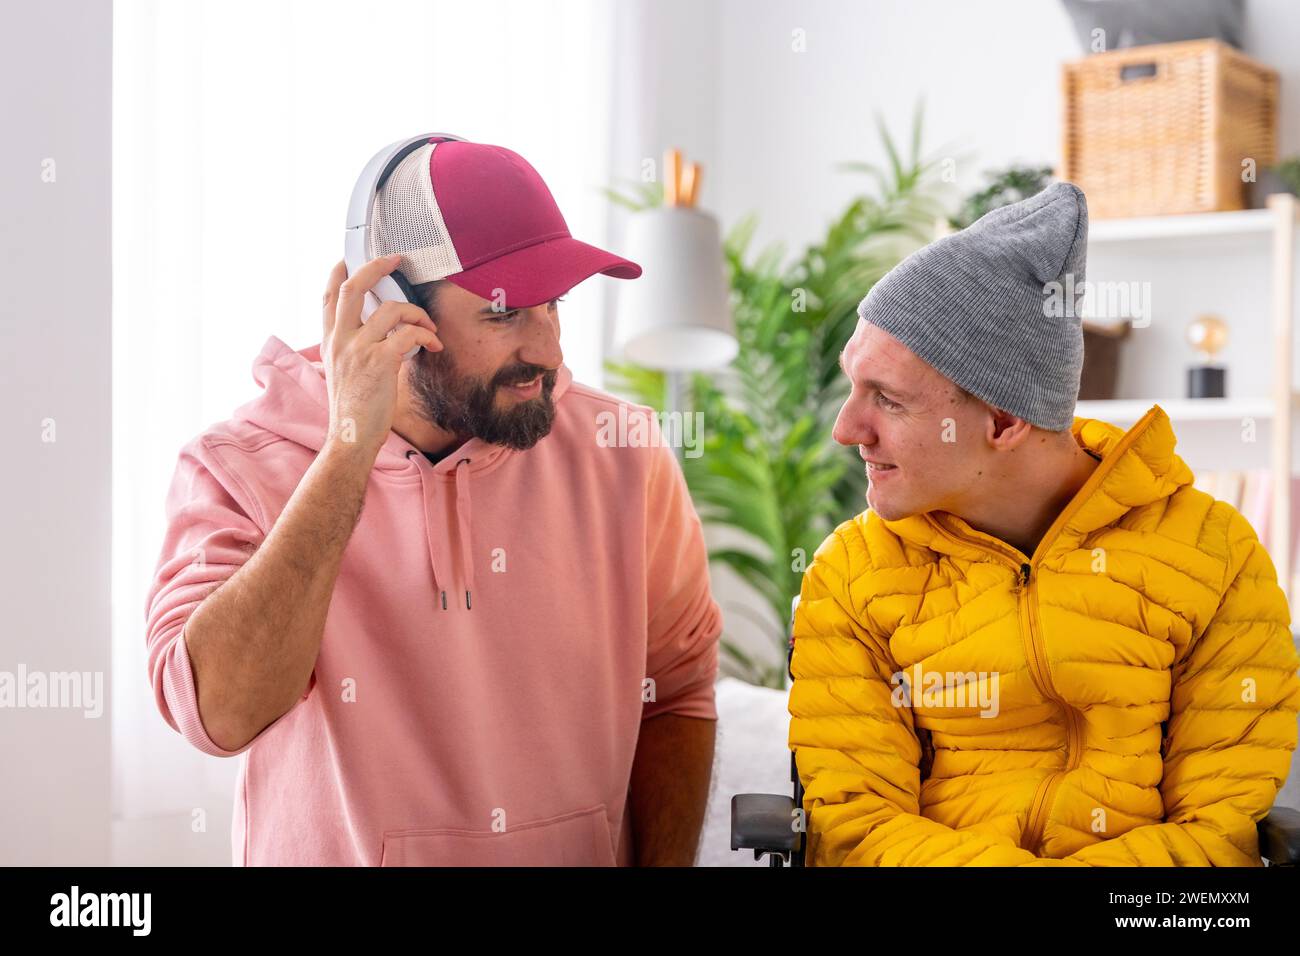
{"points": [[294, 404]]}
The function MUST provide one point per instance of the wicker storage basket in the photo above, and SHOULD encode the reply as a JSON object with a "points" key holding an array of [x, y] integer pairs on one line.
{"points": [[1165, 128]]}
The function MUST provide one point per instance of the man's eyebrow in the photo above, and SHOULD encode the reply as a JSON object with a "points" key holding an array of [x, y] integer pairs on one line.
{"points": [[886, 387], [491, 307], [876, 384]]}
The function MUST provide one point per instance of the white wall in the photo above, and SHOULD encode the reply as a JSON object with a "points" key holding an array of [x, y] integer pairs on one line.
{"points": [[55, 353]]}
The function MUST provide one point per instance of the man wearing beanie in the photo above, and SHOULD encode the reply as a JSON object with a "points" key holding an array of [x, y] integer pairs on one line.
{"points": [[1040, 644], [442, 621]]}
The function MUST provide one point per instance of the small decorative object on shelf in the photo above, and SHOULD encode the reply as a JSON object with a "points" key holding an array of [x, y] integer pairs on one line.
{"points": [[1207, 334], [1101, 348], [1282, 178]]}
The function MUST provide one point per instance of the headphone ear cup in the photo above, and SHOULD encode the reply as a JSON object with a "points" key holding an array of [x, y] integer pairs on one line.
{"points": [[409, 292]]}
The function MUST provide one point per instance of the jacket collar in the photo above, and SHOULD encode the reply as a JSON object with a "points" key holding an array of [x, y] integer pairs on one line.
{"points": [[1137, 467]]}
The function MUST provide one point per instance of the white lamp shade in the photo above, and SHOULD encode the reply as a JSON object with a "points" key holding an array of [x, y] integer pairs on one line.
{"points": [[677, 315]]}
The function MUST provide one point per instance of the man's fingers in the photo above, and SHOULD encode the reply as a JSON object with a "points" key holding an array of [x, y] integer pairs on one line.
{"points": [[353, 290], [331, 297], [407, 336], [390, 315]]}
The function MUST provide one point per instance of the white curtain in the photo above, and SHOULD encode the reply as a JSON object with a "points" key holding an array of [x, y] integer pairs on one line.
{"points": [[238, 131]]}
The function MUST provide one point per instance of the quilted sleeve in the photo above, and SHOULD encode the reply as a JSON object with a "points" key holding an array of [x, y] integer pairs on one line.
{"points": [[1231, 730], [858, 754]]}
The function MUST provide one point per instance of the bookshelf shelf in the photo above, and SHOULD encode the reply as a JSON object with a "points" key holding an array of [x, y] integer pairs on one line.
{"points": [[1245, 222], [1180, 410]]}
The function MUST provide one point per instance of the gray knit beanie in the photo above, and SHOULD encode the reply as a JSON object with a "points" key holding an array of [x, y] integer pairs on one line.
{"points": [[995, 307]]}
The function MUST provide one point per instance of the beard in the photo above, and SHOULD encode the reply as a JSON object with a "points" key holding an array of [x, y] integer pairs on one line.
{"points": [[466, 406]]}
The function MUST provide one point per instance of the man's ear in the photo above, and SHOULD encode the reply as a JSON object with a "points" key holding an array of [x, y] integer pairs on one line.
{"points": [[1005, 431]]}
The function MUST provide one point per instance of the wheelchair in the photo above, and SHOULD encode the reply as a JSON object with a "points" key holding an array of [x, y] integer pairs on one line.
{"points": [[766, 822]]}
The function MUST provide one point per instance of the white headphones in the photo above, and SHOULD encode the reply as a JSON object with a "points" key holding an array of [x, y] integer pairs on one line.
{"points": [[356, 241]]}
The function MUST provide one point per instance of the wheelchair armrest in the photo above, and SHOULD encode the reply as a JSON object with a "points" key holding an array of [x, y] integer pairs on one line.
{"points": [[763, 822], [1279, 836]]}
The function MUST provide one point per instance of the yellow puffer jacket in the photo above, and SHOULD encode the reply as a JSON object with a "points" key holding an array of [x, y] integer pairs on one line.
{"points": [[1126, 696]]}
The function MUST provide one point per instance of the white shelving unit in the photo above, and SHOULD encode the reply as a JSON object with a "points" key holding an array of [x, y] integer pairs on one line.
{"points": [[1129, 410], [1275, 228], [1193, 225]]}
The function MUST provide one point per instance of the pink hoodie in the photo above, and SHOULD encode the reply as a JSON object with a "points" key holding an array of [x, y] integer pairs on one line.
{"points": [[498, 733]]}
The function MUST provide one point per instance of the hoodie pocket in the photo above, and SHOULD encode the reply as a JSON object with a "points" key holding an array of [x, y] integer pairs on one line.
{"points": [[577, 838]]}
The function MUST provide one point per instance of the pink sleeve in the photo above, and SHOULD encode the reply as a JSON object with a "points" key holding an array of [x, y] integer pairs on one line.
{"points": [[684, 621], [208, 538]]}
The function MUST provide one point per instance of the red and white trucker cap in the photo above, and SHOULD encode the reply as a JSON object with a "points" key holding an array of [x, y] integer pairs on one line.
{"points": [[481, 217]]}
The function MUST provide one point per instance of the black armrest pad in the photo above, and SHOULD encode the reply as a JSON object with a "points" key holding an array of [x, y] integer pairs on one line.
{"points": [[1279, 836], [763, 821]]}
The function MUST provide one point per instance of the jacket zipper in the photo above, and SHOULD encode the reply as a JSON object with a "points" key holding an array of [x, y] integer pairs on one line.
{"points": [[1026, 597]]}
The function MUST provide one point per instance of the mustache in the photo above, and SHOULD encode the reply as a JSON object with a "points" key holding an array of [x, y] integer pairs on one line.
{"points": [[518, 374]]}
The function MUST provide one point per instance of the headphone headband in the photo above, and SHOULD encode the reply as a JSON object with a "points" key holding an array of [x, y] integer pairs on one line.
{"points": [[379, 168], [356, 241]]}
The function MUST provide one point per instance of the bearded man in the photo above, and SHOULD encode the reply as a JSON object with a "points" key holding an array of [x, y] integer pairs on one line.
{"points": [[508, 656]]}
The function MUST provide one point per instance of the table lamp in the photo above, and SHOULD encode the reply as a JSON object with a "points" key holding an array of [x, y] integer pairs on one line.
{"points": [[677, 316]]}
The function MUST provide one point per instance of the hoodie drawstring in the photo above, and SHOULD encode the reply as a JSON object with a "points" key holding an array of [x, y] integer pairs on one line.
{"points": [[464, 515], [440, 594]]}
